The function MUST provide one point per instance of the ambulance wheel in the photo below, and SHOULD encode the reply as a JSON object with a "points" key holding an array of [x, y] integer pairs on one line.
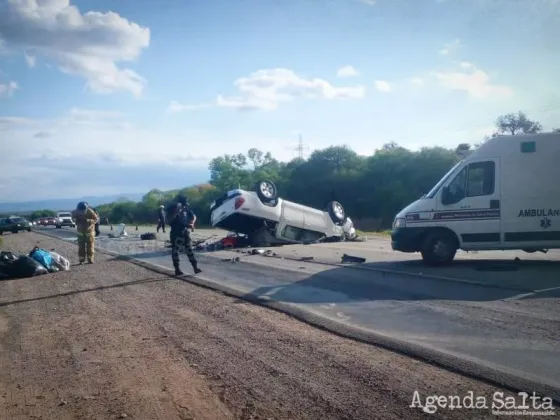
{"points": [[266, 191], [336, 212], [439, 248]]}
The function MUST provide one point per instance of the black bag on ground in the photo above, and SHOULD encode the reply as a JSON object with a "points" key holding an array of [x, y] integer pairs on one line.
{"points": [[22, 267], [6, 260], [148, 236]]}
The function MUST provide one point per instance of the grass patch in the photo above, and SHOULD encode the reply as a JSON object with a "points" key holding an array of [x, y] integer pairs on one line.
{"points": [[385, 233]]}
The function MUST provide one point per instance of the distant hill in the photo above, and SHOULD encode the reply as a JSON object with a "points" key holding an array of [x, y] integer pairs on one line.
{"points": [[64, 203]]}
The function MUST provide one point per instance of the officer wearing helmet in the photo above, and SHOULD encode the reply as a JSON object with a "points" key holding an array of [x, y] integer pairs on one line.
{"points": [[86, 219], [161, 217], [181, 219]]}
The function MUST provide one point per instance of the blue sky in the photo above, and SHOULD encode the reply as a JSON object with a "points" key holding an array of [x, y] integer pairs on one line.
{"points": [[109, 96]]}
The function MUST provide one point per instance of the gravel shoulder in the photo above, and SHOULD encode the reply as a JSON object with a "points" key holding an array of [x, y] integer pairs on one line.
{"points": [[115, 340]]}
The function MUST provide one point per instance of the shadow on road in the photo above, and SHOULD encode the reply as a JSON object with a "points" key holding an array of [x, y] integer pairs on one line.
{"points": [[344, 285]]}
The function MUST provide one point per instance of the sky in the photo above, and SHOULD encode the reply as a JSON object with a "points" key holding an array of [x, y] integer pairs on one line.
{"points": [[103, 97]]}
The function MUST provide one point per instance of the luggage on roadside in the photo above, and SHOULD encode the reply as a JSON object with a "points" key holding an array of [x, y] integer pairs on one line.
{"points": [[43, 257], [59, 261], [6, 260], [23, 267]]}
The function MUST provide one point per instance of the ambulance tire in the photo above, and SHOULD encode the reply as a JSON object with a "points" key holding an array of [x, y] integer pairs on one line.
{"points": [[439, 248]]}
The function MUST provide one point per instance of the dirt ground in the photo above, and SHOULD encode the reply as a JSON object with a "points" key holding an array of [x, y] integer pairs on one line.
{"points": [[113, 340]]}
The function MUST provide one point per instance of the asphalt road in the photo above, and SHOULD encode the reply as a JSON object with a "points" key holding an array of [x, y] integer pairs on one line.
{"points": [[504, 326]]}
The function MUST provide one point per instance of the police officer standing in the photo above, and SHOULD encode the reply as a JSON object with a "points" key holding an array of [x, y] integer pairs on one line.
{"points": [[161, 217], [180, 219]]}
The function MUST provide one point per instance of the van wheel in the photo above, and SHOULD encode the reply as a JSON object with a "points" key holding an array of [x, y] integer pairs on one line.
{"points": [[266, 191], [439, 248], [336, 212]]}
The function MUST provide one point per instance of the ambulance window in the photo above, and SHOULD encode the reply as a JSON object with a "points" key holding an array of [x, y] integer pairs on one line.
{"points": [[457, 186], [481, 179]]}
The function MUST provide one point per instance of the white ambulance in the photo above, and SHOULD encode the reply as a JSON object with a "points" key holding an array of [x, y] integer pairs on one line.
{"points": [[504, 195]]}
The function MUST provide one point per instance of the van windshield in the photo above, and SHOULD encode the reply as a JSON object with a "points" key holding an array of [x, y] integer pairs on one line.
{"points": [[442, 181], [64, 215]]}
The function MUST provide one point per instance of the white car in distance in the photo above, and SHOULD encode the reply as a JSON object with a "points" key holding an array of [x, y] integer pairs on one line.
{"points": [[64, 219], [269, 220]]}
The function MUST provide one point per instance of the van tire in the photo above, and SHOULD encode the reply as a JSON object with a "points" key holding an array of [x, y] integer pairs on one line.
{"points": [[336, 212], [439, 248], [266, 191]]}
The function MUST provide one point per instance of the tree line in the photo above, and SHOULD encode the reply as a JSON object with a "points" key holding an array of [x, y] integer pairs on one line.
{"points": [[372, 188]]}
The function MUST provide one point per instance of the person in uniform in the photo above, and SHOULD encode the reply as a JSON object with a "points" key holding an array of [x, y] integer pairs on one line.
{"points": [[97, 231], [86, 219], [161, 216], [181, 220]]}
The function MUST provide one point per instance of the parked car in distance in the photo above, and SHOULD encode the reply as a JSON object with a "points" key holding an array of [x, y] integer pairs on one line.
{"points": [[14, 225], [64, 218], [268, 219]]}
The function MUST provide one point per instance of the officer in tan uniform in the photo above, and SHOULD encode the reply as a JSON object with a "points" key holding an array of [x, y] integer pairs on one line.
{"points": [[86, 219]]}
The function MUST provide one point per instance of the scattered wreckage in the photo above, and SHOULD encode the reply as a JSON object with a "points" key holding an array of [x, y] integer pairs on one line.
{"points": [[38, 262], [266, 219]]}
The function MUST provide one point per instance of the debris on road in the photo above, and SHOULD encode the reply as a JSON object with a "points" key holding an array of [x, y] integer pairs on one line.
{"points": [[233, 260], [120, 231], [352, 259], [149, 236]]}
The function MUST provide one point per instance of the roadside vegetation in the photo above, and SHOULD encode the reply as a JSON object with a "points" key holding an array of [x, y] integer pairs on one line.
{"points": [[371, 188]]}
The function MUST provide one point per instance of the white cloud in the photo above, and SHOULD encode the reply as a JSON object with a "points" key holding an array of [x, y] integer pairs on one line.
{"points": [[88, 45], [473, 81], [42, 134], [416, 81], [369, 2], [450, 47], [466, 65], [382, 86], [175, 107], [14, 121], [8, 89], [347, 71], [266, 89], [30, 60]]}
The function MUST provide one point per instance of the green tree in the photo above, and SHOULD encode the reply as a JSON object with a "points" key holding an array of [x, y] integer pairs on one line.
{"points": [[517, 124], [37, 214]]}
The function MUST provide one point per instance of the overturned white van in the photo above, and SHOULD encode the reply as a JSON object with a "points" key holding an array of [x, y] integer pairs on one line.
{"points": [[504, 195]]}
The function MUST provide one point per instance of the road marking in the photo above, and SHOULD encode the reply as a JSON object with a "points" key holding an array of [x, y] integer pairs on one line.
{"points": [[533, 293]]}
